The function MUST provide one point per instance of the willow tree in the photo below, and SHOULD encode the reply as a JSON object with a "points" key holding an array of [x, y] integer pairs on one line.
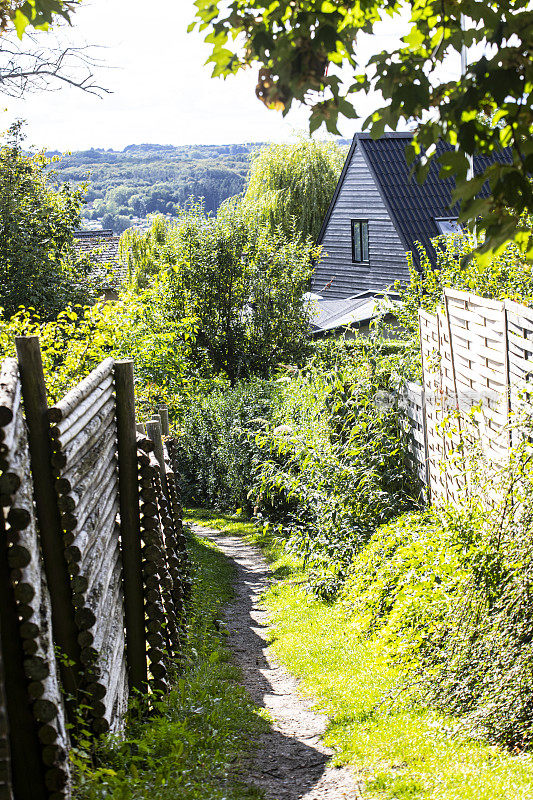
{"points": [[291, 185]]}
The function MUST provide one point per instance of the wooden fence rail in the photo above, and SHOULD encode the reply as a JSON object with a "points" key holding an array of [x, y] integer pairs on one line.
{"points": [[94, 574]]}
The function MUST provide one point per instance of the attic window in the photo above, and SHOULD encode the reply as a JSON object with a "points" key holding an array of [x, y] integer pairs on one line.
{"points": [[359, 241], [448, 226]]}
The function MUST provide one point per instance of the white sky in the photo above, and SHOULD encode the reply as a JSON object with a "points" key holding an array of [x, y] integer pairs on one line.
{"points": [[161, 90]]}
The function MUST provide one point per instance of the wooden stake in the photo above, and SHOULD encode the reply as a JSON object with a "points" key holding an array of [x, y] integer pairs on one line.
{"points": [[130, 525], [165, 426], [36, 412], [27, 769], [153, 431]]}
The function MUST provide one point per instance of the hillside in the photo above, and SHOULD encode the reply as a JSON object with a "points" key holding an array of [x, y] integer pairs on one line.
{"points": [[125, 186]]}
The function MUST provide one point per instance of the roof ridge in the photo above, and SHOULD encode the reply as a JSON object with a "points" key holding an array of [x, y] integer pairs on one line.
{"points": [[386, 135]]}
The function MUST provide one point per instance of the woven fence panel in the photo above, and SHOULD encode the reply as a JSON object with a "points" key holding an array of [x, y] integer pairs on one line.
{"points": [[519, 329], [411, 401], [479, 340], [84, 432], [31, 602], [433, 397]]}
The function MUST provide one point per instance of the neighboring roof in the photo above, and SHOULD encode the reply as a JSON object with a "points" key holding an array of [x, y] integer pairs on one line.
{"points": [[358, 310], [413, 207], [102, 247]]}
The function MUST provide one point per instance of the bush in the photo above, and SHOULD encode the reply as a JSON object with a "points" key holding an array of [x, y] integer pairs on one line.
{"points": [[449, 593], [217, 453], [39, 267], [334, 458]]}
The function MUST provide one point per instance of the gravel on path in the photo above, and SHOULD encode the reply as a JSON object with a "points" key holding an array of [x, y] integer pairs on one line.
{"points": [[291, 762]]}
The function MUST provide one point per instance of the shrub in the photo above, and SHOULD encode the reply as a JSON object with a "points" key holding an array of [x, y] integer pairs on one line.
{"points": [[449, 593], [38, 264], [217, 453]]}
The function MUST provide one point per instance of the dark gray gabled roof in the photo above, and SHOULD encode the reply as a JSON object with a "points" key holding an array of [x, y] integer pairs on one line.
{"points": [[413, 207]]}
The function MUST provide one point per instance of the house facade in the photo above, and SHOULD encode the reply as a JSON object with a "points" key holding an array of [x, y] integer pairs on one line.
{"points": [[378, 213]]}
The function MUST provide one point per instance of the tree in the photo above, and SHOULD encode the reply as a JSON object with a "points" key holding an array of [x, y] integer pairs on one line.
{"points": [[243, 284], [37, 64], [38, 264], [295, 41], [291, 185], [36, 13]]}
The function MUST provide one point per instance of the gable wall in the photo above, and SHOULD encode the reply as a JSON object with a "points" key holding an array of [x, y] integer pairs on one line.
{"points": [[359, 198]]}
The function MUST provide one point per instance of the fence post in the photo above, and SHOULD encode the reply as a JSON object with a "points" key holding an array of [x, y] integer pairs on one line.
{"points": [[130, 525], [153, 431], [25, 754], [165, 426], [48, 516]]}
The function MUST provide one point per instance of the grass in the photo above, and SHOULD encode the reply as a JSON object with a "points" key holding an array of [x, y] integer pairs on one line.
{"points": [[194, 747], [399, 752]]}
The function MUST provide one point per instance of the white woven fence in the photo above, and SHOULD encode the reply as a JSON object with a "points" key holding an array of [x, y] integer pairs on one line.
{"points": [[477, 363]]}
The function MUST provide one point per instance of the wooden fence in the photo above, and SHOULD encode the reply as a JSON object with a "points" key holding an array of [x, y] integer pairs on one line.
{"points": [[94, 576], [477, 363]]}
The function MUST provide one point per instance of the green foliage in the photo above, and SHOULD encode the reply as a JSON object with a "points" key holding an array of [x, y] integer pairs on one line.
{"points": [[294, 42], [135, 326], [38, 264], [193, 747], [448, 593], [335, 461], [243, 284], [319, 453], [508, 275], [291, 185], [217, 453], [37, 13]]}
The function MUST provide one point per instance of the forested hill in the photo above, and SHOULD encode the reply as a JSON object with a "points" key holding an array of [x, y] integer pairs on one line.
{"points": [[125, 186]]}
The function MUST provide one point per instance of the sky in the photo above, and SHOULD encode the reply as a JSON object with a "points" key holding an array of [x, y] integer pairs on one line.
{"points": [[160, 88]]}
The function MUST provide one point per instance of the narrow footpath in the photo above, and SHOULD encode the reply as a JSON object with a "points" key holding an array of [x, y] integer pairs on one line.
{"points": [[291, 762]]}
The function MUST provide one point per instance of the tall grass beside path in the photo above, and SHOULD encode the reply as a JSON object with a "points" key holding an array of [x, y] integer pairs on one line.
{"points": [[193, 746], [399, 750]]}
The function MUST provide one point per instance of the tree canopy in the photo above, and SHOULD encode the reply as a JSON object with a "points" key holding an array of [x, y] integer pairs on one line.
{"points": [[36, 13], [298, 44], [38, 264], [242, 283], [291, 185]]}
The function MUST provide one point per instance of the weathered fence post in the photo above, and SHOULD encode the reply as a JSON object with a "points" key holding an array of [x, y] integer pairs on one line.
{"points": [[36, 412], [26, 764], [165, 426], [153, 431], [130, 525]]}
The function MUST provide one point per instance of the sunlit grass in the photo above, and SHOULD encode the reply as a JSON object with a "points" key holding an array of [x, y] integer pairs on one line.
{"points": [[195, 746], [399, 752]]}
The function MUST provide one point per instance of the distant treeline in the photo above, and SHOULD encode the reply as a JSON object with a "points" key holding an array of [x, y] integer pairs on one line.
{"points": [[124, 187]]}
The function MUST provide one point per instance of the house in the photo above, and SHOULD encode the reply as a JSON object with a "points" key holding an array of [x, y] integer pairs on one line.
{"points": [[378, 212]]}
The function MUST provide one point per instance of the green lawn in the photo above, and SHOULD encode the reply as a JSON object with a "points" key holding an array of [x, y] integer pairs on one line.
{"points": [[194, 747], [399, 753]]}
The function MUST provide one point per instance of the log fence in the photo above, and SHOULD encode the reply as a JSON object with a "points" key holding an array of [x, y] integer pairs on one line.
{"points": [[94, 572]]}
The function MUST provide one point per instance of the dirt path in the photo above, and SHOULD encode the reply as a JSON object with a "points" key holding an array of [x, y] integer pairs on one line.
{"points": [[291, 761]]}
